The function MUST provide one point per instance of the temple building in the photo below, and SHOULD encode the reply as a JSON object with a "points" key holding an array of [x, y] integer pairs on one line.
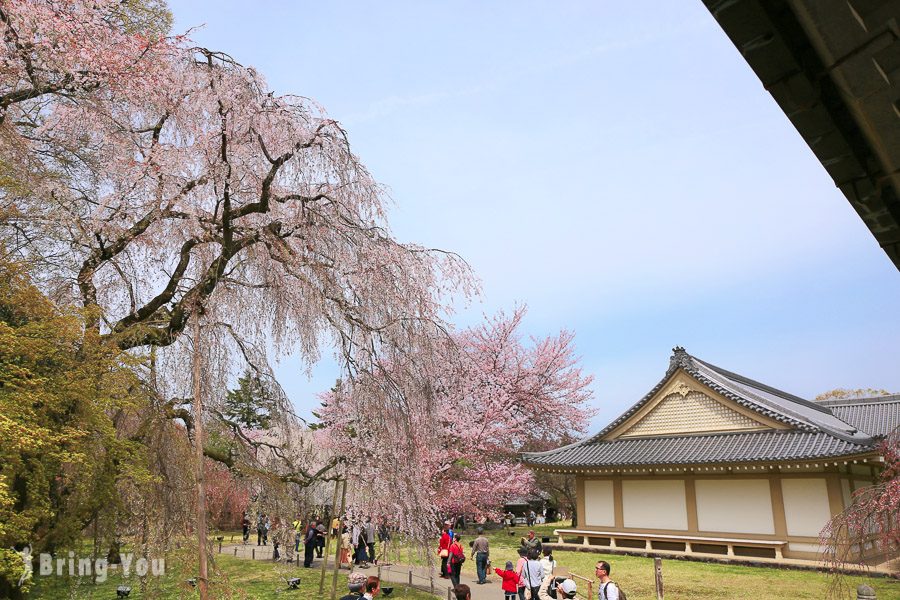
{"points": [[711, 463]]}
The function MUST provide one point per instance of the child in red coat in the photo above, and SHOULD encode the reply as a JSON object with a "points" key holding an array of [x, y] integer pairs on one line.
{"points": [[510, 582]]}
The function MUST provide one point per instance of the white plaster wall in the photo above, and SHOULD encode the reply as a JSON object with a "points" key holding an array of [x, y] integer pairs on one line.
{"points": [[654, 504], [599, 504], [734, 506], [799, 547], [806, 508]]}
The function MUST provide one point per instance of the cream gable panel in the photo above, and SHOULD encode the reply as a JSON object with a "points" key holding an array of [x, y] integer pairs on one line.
{"points": [[684, 406], [692, 413]]}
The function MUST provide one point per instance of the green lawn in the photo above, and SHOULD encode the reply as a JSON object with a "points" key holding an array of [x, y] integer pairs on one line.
{"points": [[683, 579], [240, 578], [232, 578]]}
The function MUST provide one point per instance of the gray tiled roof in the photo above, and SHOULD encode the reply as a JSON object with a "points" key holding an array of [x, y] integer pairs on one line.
{"points": [[701, 449], [876, 416], [815, 432]]}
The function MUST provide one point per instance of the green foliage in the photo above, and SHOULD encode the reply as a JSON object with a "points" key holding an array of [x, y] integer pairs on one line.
{"points": [[851, 394], [152, 18], [250, 404], [62, 391]]}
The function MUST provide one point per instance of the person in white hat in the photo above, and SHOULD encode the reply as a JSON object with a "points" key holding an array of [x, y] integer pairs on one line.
{"points": [[556, 588]]}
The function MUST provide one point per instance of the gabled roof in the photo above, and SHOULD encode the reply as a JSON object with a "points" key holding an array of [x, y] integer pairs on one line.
{"points": [[876, 416], [813, 430]]}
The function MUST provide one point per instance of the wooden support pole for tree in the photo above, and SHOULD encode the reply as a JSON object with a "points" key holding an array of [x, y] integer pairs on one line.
{"points": [[337, 553], [657, 569], [328, 537], [202, 580]]}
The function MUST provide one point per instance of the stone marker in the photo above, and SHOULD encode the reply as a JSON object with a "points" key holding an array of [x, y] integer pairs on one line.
{"points": [[864, 592]]}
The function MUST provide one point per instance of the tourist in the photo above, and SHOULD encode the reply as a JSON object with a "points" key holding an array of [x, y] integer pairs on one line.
{"points": [[245, 526], [547, 562], [266, 528], [359, 542], [355, 531], [373, 586], [260, 529], [345, 547], [384, 532], [533, 573], [481, 552], [356, 581], [335, 526], [456, 559], [532, 542], [320, 539], [556, 588], [509, 581], [608, 589], [444, 549], [309, 545], [297, 525], [369, 529], [462, 592], [520, 567]]}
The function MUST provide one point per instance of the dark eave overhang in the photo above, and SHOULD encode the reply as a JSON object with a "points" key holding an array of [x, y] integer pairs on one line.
{"points": [[868, 458], [833, 66]]}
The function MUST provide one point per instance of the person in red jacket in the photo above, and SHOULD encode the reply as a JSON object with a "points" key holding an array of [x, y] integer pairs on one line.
{"points": [[457, 556], [510, 581], [444, 550]]}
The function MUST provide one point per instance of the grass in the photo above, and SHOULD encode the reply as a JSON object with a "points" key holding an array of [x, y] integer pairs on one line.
{"points": [[245, 579], [682, 578], [232, 578]]}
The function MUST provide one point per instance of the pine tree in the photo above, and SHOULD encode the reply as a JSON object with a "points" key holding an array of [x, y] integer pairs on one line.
{"points": [[250, 404]]}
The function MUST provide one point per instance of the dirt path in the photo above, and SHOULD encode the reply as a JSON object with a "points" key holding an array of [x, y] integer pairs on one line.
{"points": [[422, 577]]}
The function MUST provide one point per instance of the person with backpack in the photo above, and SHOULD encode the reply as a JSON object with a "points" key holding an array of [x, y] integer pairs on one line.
{"points": [[608, 588], [509, 581], [456, 559]]}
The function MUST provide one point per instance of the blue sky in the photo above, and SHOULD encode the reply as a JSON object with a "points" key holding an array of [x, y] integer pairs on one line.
{"points": [[615, 166]]}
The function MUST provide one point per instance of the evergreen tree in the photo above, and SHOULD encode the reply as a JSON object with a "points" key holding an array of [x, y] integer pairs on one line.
{"points": [[250, 404]]}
